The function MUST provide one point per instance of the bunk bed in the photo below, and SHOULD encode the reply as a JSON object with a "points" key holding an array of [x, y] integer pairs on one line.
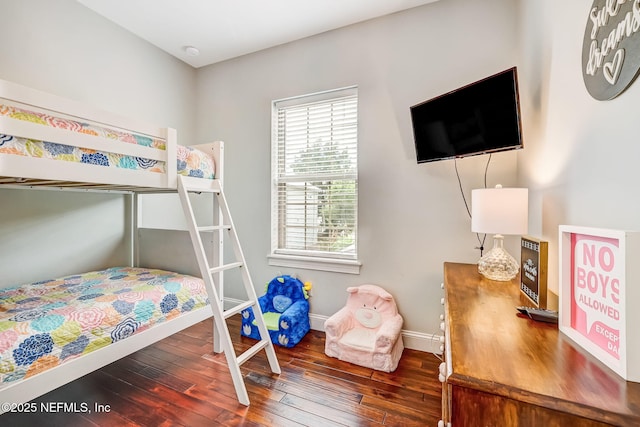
{"points": [[48, 141]]}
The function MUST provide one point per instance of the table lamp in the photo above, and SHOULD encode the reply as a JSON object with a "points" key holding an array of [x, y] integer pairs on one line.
{"points": [[499, 211]]}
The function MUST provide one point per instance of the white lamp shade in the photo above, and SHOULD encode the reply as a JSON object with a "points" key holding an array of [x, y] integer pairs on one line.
{"points": [[500, 210]]}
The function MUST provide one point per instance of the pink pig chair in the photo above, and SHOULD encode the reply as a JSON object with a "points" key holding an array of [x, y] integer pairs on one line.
{"points": [[366, 331]]}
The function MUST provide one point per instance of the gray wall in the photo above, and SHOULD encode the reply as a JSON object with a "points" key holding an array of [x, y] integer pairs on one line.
{"points": [[63, 48], [579, 160], [582, 155], [411, 217]]}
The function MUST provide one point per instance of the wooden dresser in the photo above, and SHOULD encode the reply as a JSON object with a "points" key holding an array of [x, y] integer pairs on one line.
{"points": [[504, 369]]}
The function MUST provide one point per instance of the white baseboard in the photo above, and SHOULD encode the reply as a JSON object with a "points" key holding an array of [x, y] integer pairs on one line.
{"points": [[420, 341]]}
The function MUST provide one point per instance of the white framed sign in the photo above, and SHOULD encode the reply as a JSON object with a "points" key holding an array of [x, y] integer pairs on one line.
{"points": [[611, 47], [599, 289]]}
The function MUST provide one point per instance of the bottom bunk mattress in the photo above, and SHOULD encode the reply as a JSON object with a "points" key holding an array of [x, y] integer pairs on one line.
{"points": [[47, 323]]}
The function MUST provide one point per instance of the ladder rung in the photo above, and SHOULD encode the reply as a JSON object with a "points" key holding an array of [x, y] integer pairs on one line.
{"points": [[202, 190], [238, 308], [252, 351], [225, 267], [214, 228]]}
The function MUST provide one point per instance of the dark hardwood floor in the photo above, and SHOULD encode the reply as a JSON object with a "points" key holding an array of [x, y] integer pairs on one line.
{"points": [[180, 382]]}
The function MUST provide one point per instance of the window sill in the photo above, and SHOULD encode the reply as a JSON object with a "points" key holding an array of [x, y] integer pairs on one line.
{"points": [[315, 263]]}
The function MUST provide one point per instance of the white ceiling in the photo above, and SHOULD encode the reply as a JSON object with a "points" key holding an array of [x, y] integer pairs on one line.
{"points": [[224, 29]]}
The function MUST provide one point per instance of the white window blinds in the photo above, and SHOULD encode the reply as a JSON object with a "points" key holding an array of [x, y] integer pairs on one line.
{"points": [[315, 190]]}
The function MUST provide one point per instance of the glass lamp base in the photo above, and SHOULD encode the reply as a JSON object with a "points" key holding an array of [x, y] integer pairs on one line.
{"points": [[498, 264]]}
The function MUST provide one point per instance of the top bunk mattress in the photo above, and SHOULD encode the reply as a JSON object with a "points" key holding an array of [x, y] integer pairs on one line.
{"points": [[48, 323], [190, 162]]}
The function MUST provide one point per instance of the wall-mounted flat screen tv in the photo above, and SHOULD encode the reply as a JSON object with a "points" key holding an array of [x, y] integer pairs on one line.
{"points": [[480, 118]]}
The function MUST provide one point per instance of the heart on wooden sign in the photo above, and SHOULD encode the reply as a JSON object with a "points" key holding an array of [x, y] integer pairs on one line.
{"points": [[611, 70]]}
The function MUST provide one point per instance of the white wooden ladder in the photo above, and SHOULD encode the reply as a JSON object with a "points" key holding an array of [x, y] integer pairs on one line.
{"points": [[208, 272]]}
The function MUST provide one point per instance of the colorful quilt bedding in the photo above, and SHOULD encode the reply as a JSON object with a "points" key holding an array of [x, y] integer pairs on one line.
{"points": [[48, 323], [190, 162]]}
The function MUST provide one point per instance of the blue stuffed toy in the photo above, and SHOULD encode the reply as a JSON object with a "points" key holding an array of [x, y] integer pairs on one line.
{"points": [[285, 307]]}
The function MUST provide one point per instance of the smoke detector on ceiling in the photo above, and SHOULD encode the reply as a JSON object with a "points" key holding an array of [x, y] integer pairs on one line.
{"points": [[192, 51]]}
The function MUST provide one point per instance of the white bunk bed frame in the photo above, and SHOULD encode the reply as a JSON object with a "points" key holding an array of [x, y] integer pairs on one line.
{"points": [[21, 172], [30, 171]]}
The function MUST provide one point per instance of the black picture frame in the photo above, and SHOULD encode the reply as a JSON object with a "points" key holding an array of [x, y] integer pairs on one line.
{"points": [[534, 255]]}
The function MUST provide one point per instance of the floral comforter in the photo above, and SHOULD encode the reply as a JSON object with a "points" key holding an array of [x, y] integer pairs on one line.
{"points": [[190, 162], [47, 323]]}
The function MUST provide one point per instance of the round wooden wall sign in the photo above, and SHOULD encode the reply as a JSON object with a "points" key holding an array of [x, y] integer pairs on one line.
{"points": [[611, 47]]}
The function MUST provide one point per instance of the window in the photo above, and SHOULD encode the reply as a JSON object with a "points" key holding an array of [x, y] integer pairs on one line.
{"points": [[315, 181]]}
